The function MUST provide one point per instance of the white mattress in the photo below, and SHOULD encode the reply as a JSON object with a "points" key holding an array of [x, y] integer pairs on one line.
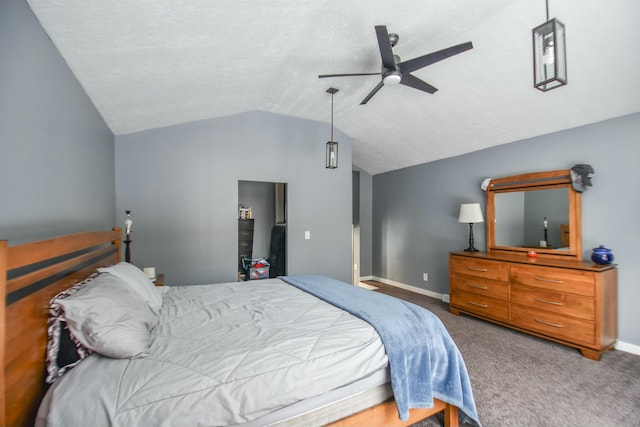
{"points": [[253, 352]]}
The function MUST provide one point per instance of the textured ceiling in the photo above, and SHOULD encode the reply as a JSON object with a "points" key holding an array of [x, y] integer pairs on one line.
{"points": [[154, 63]]}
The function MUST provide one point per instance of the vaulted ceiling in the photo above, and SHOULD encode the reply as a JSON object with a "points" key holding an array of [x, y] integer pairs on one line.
{"points": [[154, 63]]}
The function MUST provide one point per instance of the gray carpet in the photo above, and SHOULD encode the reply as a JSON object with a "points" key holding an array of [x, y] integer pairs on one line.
{"points": [[521, 380]]}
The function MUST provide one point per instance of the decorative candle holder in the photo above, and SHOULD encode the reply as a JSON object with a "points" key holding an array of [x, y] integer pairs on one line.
{"points": [[127, 241]]}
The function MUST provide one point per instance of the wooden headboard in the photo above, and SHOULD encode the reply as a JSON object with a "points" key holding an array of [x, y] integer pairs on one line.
{"points": [[30, 275]]}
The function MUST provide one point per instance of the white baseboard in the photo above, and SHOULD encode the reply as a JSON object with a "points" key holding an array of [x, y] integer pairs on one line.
{"points": [[620, 345], [409, 288], [629, 348]]}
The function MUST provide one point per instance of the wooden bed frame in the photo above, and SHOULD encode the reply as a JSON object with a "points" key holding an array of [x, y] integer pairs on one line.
{"points": [[32, 273]]}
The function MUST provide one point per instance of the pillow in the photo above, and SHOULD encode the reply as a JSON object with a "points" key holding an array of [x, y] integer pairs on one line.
{"points": [[64, 351], [109, 317], [138, 281]]}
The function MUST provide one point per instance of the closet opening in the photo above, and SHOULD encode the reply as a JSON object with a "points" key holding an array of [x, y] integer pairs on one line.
{"points": [[262, 230]]}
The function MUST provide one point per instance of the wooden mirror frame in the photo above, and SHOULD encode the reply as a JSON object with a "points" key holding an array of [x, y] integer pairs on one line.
{"points": [[537, 181]]}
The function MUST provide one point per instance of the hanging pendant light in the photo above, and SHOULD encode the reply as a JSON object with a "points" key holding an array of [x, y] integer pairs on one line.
{"points": [[549, 54], [332, 146]]}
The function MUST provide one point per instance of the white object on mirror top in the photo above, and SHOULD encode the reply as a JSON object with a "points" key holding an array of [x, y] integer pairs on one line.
{"points": [[485, 184]]}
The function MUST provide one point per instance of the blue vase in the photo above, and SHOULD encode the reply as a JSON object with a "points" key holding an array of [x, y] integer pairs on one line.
{"points": [[602, 255]]}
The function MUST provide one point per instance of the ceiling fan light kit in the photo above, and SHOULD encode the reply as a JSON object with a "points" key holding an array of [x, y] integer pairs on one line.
{"points": [[392, 79], [394, 71], [549, 54]]}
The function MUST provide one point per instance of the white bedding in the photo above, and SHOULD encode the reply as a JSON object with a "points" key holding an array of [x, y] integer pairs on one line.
{"points": [[220, 355]]}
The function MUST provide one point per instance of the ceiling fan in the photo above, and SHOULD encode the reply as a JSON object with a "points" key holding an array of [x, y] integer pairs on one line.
{"points": [[394, 71]]}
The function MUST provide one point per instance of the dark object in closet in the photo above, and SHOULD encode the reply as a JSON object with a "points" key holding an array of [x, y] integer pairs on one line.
{"points": [[245, 241], [277, 251]]}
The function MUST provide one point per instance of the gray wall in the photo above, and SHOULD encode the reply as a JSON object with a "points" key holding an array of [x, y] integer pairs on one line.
{"points": [[56, 158], [181, 182], [414, 229]]}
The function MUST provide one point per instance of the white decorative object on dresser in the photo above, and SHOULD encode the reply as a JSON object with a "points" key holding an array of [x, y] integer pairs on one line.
{"points": [[544, 290]]}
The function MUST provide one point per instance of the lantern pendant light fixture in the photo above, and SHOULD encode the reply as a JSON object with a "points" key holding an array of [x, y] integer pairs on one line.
{"points": [[549, 54], [332, 146]]}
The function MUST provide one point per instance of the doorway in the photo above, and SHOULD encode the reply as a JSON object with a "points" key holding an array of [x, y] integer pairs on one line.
{"points": [[355, 228], [265, 235]]}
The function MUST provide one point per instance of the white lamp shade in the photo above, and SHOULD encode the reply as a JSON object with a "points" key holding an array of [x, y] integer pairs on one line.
{"points": [[470, 213]]}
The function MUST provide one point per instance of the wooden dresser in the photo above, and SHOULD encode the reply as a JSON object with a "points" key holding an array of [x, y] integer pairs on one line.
{"points": [[567, 301]]}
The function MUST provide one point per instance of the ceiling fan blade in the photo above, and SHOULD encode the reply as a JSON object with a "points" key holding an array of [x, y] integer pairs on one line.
{"points": [[348, 75], [414, 82], [385, 47], [431, 58], [373, 92]]}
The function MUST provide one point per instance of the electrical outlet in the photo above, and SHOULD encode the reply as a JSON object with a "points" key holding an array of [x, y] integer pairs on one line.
{"points": [[425, 276]]}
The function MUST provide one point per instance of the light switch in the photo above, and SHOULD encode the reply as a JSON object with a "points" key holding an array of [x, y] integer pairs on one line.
{"points": [[307, 235]]}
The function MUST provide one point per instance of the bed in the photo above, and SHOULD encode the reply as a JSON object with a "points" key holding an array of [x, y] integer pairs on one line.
{"points": [[358, 393]]}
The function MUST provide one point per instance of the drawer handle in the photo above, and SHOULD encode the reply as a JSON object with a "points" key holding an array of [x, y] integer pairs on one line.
{"points": [[555, 325], [478, 304], [484, 270], [547, 302], [471, 285], [542, 279]]}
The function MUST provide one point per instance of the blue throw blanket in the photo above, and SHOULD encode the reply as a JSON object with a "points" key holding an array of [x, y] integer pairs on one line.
{"points": [[423, 359]]}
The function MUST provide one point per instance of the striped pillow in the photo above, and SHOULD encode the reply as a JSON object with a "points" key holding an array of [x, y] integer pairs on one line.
{"points": [[64, 351]]}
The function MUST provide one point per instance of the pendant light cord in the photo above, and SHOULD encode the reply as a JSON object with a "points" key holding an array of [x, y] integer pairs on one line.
{"points": [[547, 4], [332, 91], [332, 116]]}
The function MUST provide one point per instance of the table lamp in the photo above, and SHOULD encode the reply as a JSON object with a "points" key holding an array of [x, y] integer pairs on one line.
{"points": [[470, 213]]}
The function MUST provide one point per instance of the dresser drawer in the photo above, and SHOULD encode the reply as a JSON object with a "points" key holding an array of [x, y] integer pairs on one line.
{"points": [[554, 325], [556, 279], [245, 224], [556, 302], [480, 285], [245, 235], [245, 249], [479, 268], [480, 304]]}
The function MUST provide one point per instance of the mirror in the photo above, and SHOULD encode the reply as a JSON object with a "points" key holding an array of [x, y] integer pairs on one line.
{"points": [[534, 212], [531, 218]]}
